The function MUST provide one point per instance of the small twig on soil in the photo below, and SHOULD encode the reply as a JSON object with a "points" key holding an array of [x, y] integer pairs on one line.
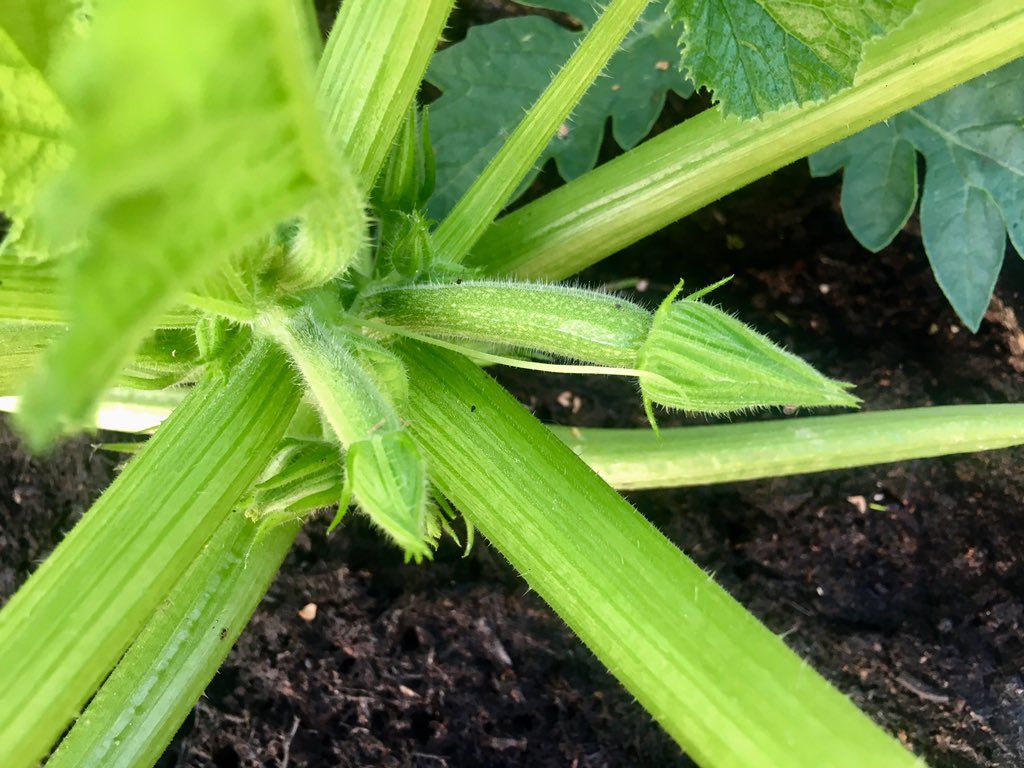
{"points": [[920, 690], [287, 747]]}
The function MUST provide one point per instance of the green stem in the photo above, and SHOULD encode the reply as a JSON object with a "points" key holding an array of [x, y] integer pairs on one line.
{"points": [[373, 63], [344, 392], [633, 459], [137, 711], [21, 349], [722, 685], [945, 43], [471, 216], [569, 322], [34, 293], [67, 626]]}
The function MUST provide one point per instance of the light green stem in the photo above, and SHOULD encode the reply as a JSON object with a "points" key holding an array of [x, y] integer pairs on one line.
{"points": [[632, 459], [67, 626], [344, 392], [21, 350], [722, 685], [34, 293], [491, 191], [569, 322], [371, 68], [137, 711], [945, 43]]}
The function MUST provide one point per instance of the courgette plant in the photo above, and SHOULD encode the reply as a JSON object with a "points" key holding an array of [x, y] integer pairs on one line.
{"points": [[209, 209]]}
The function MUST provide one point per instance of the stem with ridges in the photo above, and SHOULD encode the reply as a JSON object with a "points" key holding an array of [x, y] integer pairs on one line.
{"points": [[477, 208], [61, 633], [370, 71], [568, 322], [154, 687], [945, 43], [33, 292], [680, 644], [634, 459]]}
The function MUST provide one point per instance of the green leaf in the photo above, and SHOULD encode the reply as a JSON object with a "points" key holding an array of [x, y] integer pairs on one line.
{"points": [[492, 77], [972, 140], [761, 55], [41, 27], [879, 185], [32, 128], [709, 362], [200, 148]]}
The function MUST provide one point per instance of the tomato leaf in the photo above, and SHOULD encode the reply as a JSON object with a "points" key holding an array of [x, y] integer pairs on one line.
{"points": [[972, 140], [492, 77]]}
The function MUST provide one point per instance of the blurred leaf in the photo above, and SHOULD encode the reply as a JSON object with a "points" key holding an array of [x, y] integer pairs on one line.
{"points": [[32, 128], [492, 77], [972, 140], [21, 347], [40, 27], [758, 56], [190, 142]]}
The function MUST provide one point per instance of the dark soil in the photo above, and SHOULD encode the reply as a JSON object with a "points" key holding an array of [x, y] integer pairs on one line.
{"points": [[912, 605]]}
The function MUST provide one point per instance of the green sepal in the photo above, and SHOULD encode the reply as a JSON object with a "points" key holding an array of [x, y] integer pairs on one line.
{"points": [[407, 180], [389, 482], [407, 247], [707, 361], [211, 335], [301, 478]]}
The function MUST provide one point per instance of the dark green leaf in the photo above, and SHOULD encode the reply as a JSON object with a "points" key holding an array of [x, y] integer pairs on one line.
{"points": [[972, 139], [492, 77], [880, 189], [761, 55]]}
